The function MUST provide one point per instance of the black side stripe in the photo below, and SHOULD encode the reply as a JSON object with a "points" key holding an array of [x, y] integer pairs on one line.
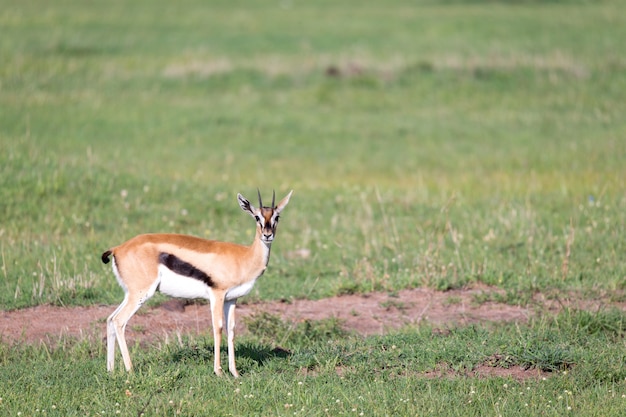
{"points": [[177, 265]]}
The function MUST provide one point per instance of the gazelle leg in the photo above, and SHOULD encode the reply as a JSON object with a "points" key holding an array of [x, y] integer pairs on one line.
{"points": [[217, 305], [229, 314], [119, 320], [111, 336]]}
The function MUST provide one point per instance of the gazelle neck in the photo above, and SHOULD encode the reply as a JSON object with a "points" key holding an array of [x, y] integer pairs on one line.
{"points": [[261, 248]]}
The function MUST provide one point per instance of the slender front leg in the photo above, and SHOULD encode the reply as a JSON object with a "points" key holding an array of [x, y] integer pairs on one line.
{"points": [[229, 314], [217, 312]]}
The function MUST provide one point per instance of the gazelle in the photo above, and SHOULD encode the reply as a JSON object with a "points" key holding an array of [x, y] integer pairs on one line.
{"points": [[190, 267]]}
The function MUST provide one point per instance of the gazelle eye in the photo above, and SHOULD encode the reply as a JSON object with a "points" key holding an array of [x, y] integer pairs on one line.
{"points": [[258, 219]]}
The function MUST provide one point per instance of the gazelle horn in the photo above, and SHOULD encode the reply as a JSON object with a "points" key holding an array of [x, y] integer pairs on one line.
{"points": [[260, 202]]}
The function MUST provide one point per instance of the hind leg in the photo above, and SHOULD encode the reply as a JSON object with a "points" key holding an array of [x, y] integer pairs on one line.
{"points": [[117, 325], [111, 336], [142, 286]]}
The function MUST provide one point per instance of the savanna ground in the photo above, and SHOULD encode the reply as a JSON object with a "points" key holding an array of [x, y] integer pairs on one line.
{"points": [[454, 244]]}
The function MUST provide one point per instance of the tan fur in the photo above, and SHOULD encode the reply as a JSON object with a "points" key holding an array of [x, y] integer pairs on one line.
{"points": [[229, 265]]}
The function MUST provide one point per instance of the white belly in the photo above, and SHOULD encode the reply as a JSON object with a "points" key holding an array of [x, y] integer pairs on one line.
{"points": [[180, 286], [240, 290]]}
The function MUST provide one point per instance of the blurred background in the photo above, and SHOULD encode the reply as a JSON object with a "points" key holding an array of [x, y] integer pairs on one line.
{"points": [[428, 143]]}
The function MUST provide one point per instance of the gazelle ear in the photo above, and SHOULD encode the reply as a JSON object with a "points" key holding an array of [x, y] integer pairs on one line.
{"points": [[283, 203], [245, 205]]}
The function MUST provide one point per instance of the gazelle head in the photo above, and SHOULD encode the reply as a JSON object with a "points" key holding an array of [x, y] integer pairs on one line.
{"points": [[266, 217]]}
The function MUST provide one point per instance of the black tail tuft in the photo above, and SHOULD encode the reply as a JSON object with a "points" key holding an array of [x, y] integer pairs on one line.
{"points": [[105, 256]]}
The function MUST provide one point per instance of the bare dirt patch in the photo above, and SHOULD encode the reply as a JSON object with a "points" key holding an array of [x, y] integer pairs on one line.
{"points": [[516, 372], [370, 314], [375, 313]]}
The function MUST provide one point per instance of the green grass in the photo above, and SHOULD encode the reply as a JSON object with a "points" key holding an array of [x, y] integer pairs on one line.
{"points": [[428, 143], [318, 370]]}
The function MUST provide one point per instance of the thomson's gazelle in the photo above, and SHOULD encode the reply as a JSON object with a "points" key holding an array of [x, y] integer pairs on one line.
{"points": [[190, 267]]}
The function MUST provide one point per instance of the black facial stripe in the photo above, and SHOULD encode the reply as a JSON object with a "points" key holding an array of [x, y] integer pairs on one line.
{"points": [[270, 226], [183, 268]]}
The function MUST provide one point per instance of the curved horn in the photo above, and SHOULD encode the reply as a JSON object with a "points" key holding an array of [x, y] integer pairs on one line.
{"points": [[260, 202], [273, 198]]}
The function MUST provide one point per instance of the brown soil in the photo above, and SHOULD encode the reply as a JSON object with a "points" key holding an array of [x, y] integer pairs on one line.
{"points": [[375, 313]]}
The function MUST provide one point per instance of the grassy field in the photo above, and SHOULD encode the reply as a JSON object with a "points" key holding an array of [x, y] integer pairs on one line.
{"points": [[415, 372], [428, 143]]}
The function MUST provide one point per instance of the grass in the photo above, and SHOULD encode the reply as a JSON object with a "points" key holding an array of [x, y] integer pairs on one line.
{"points": [[438, 144], [319, 370], [465, 151]]}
